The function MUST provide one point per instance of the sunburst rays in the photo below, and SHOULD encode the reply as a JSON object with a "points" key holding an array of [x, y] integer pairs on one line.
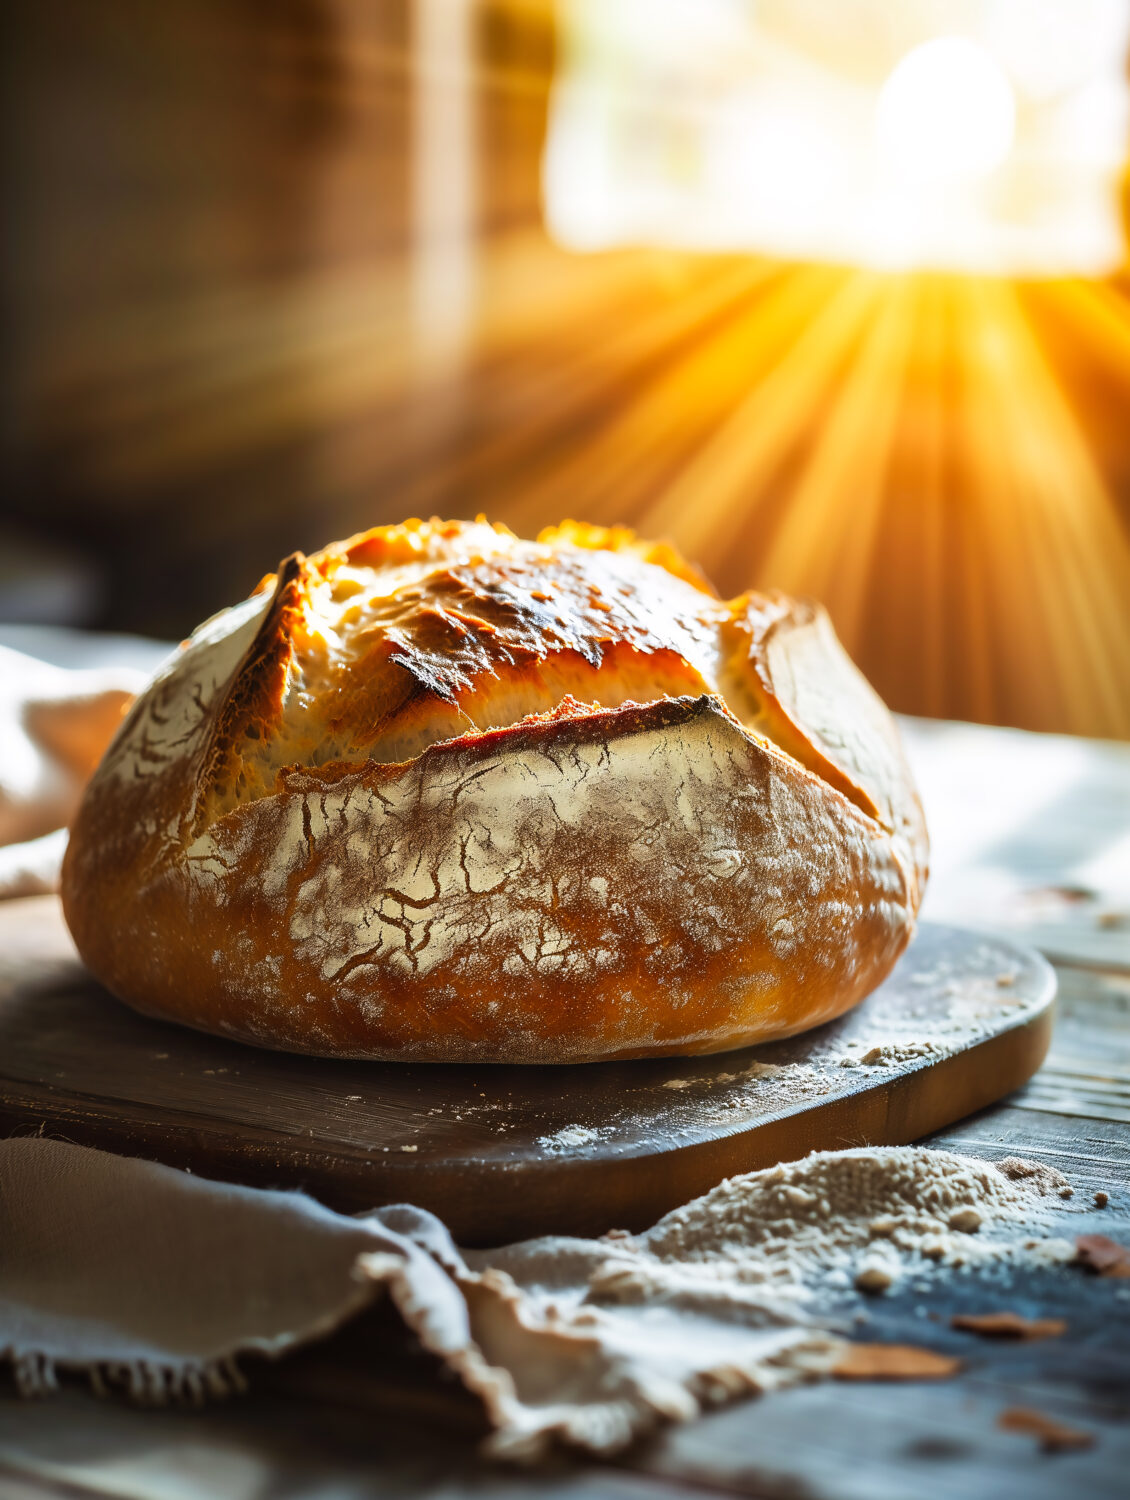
{"points": [[902, 448], [926, 453], [898, 446]]}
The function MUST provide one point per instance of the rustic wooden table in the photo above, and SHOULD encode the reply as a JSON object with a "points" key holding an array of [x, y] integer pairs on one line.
{"points": [[1032, 838]]}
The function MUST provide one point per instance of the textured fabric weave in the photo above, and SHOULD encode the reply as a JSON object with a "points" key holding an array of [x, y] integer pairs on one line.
{"points": [[151, 1278], [54, 726], [155, 1280]]}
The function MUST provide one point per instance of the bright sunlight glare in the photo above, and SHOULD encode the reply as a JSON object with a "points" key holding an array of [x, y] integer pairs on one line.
{"points": [[978, 136], [946, 113]]}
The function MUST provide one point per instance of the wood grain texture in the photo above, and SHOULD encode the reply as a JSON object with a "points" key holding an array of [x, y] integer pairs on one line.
{"points": [[501, 1153], [1029, 837]]}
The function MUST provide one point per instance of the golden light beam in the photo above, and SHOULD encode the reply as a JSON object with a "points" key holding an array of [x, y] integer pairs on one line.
{"points": [[990, 523], [170, 388], [790, 368], [1062, 559], [1090, 546], [916, 671], [616, 474], [825, 541], [644, 337], [1097, 314]]}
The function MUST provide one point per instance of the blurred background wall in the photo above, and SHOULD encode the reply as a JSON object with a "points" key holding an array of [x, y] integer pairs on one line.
{"points": [[276, 272]]}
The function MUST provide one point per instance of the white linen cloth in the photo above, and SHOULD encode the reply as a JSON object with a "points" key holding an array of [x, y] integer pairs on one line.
{"points": [[154, 1280], [54, 726]]}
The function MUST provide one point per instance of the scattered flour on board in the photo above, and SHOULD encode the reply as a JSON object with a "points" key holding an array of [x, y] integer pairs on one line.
{"points": [[751, 1088], [755, 1071], [567, 1137], [889, 1054]]}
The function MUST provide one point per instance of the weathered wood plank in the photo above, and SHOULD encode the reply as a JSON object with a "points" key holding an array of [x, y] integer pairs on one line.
{"points": [[1030, 835], [873, 1442], [270, 1449]]}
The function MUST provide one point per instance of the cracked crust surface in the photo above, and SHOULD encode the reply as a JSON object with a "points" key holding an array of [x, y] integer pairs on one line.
{"points": [[437, 793]]}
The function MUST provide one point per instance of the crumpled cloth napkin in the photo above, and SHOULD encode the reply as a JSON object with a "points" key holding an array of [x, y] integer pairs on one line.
{"points": [[152, 1279], [155, 1280], [54, 726]]}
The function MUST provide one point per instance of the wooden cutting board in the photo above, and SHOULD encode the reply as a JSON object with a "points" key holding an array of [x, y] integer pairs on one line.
{"points": [[505, 1152]]}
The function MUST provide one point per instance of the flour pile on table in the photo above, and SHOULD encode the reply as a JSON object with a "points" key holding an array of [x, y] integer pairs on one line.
{"points": [[815, 1225], [748, 1288], [148, 1278]]}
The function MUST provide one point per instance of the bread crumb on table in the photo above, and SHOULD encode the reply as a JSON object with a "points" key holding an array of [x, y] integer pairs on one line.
{"points": [[873, 1277], [965, 1220], [894, 1362], [1008, 1325], [1053, 1436]]}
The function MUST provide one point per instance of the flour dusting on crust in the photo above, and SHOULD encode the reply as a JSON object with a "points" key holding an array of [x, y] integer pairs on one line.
{"points": [[486, 873], [169, 721]]}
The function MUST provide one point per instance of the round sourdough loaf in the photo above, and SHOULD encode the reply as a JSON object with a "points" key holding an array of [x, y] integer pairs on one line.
{"points": [[438, 793]]}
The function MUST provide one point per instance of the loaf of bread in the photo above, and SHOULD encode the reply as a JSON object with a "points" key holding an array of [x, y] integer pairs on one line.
{"points": [[440, 794]]}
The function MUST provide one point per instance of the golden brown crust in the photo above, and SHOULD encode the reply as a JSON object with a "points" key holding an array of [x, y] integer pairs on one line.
{"points": [[253, 704], [633, 819], [818, 706]]}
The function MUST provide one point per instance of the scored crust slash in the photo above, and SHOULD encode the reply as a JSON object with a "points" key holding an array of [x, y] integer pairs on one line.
{"points": [[440, 794]]}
